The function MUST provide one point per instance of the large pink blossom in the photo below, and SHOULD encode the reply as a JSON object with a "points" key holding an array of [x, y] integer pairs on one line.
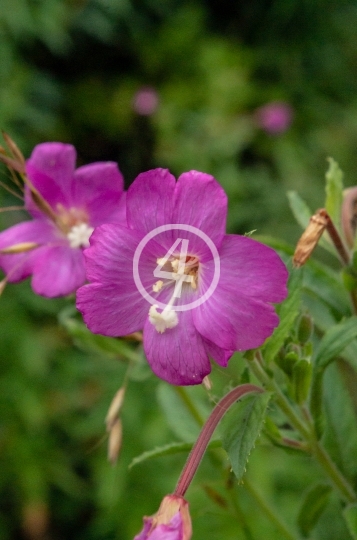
{"points": [[178, 340], [77, 201]]}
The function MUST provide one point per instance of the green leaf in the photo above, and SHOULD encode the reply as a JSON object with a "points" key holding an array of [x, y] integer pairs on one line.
{"points": [[350, 515], [312, 507], [168, 450], [302, 214], [340, 438], [184, 411], [288, 311], [334, 189], [299, 208], [335, 341], [95, 343], [240, 429]]}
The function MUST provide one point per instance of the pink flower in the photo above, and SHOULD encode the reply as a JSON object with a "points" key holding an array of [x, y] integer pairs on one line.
{"points": [[146, 101], [188, 315], [66, 207], [274, 117], [171, 522]]}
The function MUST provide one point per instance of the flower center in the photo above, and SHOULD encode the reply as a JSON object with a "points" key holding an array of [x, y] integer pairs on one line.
{"points": [[178, 270], [73, 222], [79, 235]]}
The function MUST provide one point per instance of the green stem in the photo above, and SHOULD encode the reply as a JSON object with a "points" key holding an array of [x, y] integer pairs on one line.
{"points": [[306, 431], [268, 511]]}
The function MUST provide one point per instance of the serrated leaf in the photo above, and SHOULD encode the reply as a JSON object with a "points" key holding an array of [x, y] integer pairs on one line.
{"points": [[334, 189], [288, 312], [168, 450], [312, 507], [240, 429], [334, 342], [350, 515]]}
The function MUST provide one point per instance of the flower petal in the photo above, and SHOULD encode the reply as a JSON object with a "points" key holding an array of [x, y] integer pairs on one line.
{"points": [[237, 316], [57, 271], [202, 203], [98, 188], [112, 305], [178, 355], [219, 355], [150, 200], [19, 266]]}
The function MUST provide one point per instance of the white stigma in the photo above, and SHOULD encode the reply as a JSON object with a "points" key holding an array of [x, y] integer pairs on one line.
{"points": [[164, 320], [79, 235]]}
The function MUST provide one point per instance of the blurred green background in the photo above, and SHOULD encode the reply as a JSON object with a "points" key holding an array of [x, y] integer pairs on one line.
{"points": [[177, 84]]}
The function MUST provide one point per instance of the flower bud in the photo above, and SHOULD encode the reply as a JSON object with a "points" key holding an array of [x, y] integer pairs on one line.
{"points": [[172, 520], [305, 328]]}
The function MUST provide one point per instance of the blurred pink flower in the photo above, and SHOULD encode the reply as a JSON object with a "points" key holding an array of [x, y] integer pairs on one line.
{"points": [[145, 101], [171, 522], [274, 117]]}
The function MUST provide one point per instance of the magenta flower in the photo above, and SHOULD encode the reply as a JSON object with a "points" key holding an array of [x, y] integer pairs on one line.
{"points": [[171, 522], [215, 291], [65, 204], [274, 117]]}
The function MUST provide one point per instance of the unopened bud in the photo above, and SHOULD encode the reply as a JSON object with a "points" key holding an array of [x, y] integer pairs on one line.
{"points": [[305, 328], [115, 408], [115, 441], [310, 237], [302, 373]]}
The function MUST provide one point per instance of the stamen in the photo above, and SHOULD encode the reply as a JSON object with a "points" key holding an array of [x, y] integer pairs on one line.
{"points": [[158, 286], [167, 319], [79, 235]]}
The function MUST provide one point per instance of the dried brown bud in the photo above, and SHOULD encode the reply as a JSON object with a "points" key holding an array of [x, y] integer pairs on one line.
{"points": [[115, 408], [310, 237], [115, 441], [19, 248], [207, 383]]}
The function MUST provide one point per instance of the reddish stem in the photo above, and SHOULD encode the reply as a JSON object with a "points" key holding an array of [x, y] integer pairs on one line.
{"points": [[204, 437]]}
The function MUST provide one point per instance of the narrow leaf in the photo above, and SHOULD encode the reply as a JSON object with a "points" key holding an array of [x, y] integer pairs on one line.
{"points": [[240, 429], [335, 341], [288, 312], [168, 450], [302, 213], [334, 188], [312, 507], [350, 515]]}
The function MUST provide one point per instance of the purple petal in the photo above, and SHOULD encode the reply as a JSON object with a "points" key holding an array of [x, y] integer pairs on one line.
{"points": [[219, 355], [50, 169], [202, 203], [150, 200], [98, 188], [112, 305], [19, 266], [178, 355], [55, 160], [57, 271], [238, 316]]}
